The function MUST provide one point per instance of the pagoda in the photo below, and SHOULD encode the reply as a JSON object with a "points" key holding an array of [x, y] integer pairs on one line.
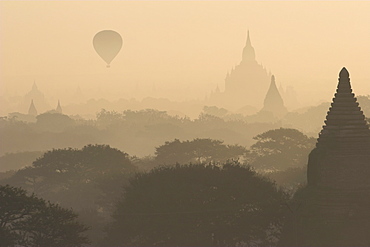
{"points": [[345, 137], [59, 108], [333, 210], [32, 109], [273, 101]]}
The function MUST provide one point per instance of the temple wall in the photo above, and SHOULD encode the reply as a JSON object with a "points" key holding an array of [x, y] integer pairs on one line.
{"points": [[344, 171]]}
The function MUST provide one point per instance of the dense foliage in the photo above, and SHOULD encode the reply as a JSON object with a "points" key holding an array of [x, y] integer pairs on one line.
{"points": [[218, 204], [197, 151], [31, 221], [89, 180], [72, 176], [280, 149], [198, 205]]}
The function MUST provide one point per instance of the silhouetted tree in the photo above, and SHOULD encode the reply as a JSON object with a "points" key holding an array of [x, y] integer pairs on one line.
{"points": [[290, 179], [197, 151], [89, 180], [280, 149], [197, 205], [215, 111], [106, 118], [30, 221], [71, 176], [54, 122]]}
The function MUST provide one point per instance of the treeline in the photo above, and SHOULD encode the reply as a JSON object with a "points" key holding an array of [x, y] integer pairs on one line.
{"points": [[139, 132], [128, 201], [136, 132]]}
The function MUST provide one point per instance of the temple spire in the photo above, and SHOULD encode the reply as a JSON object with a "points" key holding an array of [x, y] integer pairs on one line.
{"points": [[345, 126], [32, 109], [344, 73], [273, 101], [59, 108], [34, 86], [248, 51], [248, 43]]}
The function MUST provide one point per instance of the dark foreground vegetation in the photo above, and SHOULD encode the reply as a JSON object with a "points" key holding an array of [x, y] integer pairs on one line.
{"points": [[198, 192], [26, 220], [198, 205]]}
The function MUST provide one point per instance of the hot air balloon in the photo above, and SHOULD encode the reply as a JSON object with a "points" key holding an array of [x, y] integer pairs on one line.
{"points": [[107, 44]]}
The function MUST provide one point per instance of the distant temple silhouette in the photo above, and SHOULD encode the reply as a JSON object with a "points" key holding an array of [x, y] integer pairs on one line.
{"points": [[273, 101], [37, 97], [334, 207], [32, 109], [248, 79], [246, 84], [59, 108]]}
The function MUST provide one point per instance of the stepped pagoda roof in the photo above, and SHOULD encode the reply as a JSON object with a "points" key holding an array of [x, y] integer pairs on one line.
{"points": [[345, 126]]}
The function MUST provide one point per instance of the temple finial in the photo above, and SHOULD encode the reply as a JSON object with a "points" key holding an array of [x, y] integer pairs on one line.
{"points": [[34, 86], [344, 73], [248, 51], [248, 38], [59, 108]]}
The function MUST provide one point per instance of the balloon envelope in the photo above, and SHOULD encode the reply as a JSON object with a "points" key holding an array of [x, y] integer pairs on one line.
{"points": [[107, 44]]}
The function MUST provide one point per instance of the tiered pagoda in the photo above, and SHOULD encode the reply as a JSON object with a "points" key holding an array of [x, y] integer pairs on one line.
{"points": [[334, 208]]}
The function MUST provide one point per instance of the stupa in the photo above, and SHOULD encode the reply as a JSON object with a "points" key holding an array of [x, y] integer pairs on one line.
{"points": [[333, 210]]}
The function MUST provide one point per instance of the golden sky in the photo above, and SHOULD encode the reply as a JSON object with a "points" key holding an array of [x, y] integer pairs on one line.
{"points": [[181, 49]]}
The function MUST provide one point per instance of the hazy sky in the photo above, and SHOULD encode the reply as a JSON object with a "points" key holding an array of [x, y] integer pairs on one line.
{"points": [[182, 48]]}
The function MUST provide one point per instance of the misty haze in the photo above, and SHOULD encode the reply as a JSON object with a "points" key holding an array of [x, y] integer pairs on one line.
{"points": [[184, 123]]}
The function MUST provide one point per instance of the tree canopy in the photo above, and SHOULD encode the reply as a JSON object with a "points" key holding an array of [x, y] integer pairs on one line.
{"points": [[31, 221], [69, 175], [197, 205], [89, 180], [54, 122], [197, 151], [279, 149]]}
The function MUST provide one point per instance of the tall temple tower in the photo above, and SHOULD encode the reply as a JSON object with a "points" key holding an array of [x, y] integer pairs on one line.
{"points": [[334, 207], [247, 83], [249, 55], [273, 101]]}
